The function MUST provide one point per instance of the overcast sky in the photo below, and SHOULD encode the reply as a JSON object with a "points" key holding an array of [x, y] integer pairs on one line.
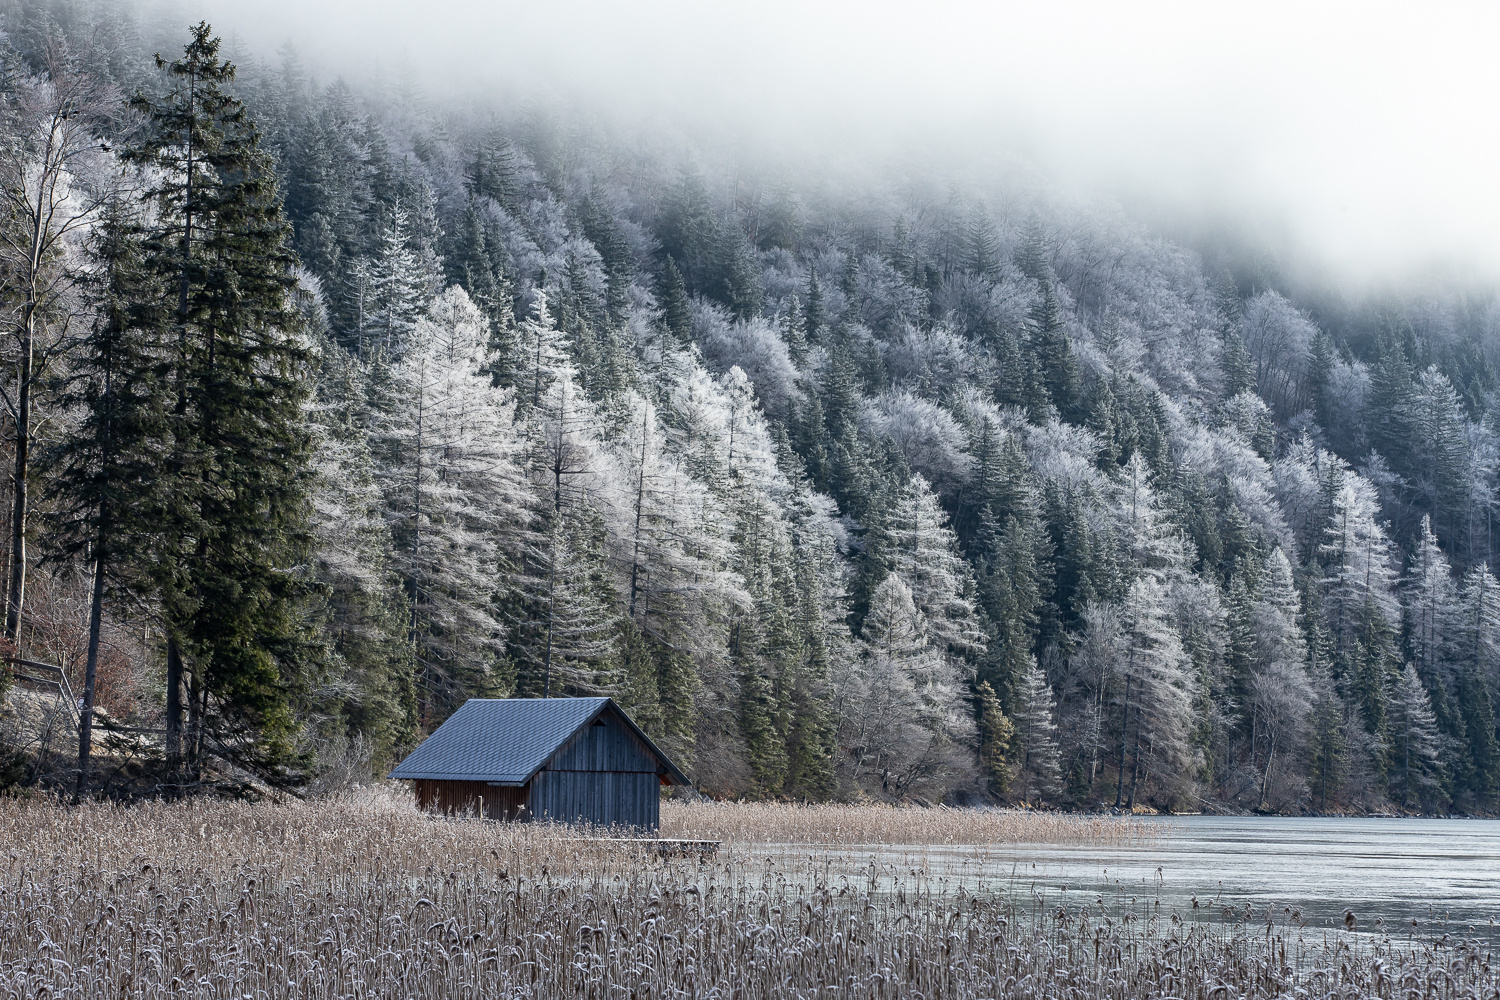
{"points": [[1366, 132]]}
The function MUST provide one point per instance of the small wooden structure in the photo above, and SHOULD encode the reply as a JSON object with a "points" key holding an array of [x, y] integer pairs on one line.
{"points": [[572, 760]]}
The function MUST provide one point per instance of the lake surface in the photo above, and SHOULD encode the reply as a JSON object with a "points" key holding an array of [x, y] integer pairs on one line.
{"points": [[1443, 873]]}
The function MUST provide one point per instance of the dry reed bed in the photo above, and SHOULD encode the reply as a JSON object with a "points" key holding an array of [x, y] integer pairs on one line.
{"points": [[852, 825], [369, 899]]}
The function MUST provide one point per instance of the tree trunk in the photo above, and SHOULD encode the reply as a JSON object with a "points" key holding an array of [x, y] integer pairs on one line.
{"points": [[17, 591], [551, 618], [640, 503], [557, 474], [90, 672], [194, 727], [174, 705], [200, 740], [184, 287], [1135, 765], [1124, 735], [423, 703], [1265, 781]]}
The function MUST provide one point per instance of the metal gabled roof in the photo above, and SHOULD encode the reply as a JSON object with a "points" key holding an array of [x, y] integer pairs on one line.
{"points": [[507, 740]]}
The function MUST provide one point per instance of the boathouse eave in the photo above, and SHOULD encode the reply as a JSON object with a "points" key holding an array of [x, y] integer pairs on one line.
{"points": [[501, 780]]}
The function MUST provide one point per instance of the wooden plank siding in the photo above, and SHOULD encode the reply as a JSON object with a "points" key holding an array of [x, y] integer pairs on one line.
{"points": [[472, 798], [600, 798], [605, 745], [604, 776]]}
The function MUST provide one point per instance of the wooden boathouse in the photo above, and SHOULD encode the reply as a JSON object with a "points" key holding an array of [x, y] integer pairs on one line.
{"points": [[571, 760]]}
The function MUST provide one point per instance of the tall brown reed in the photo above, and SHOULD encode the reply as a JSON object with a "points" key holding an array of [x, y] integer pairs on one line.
{"points": [[365, 897], [838, 825]]}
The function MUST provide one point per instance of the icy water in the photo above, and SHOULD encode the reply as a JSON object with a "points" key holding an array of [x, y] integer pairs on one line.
{"points": [[1443, 873]]}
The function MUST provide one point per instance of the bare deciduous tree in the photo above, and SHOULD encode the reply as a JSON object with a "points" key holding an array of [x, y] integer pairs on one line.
{"points": [[55, 175]]}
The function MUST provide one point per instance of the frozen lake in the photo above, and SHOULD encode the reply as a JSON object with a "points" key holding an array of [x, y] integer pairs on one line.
{"points": [[1444, 873]]}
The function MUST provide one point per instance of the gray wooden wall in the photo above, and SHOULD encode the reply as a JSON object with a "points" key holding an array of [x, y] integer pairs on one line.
{"points": [[604, 776]]}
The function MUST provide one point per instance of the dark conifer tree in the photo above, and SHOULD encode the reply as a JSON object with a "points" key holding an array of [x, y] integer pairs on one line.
{"points": [[981, 247], [810, 437], [1102, 416], [619, 262], [472, 264], [996, 736], [1033, 255], [1471, 372], [1235, 366], [1010, 588], [735, 275], [685, 230], [639, 693], [763, 718], [1239, 645], [673, 298], [1319, 370], [1388, 406], [811, 740], [236, 471], [813, 316], [780, 224], [1048, 345], [1481, 777], [492, 168], [1328, 747]]}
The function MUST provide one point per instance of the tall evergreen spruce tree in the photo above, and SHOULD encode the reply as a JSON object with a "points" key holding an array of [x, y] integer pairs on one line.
{"points": [[996, 734], [1048, 346], [235, 478]]}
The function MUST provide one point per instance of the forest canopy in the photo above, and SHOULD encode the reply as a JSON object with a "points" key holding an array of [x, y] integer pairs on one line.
{"points": [[329, 408]]}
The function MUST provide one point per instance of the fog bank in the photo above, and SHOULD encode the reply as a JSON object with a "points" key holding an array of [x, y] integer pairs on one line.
{"points": [[1356, 136]]}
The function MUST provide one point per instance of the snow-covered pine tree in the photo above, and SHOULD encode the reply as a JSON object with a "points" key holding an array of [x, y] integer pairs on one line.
{"points": [[1478, 640], [1359, 602], [1279, 693], [540, 349], [565, 595], [1438, 451], [368, 618], [1157, 698], [1153, 544], [396, 282], [922, 550], [1431, 605], [453, 488], [902, 715], [1356, 555], [1415, 776], [1038, 768]]}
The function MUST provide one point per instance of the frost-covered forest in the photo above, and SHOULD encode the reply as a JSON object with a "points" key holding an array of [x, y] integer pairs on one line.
{"points": [[329, 407]]}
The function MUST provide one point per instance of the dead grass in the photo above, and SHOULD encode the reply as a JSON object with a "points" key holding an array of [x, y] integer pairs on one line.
{"points": [[854, 825], [364, 897]]}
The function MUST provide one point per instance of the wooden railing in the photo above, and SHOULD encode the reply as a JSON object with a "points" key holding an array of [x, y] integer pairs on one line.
{"points": [[58, 681]]}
